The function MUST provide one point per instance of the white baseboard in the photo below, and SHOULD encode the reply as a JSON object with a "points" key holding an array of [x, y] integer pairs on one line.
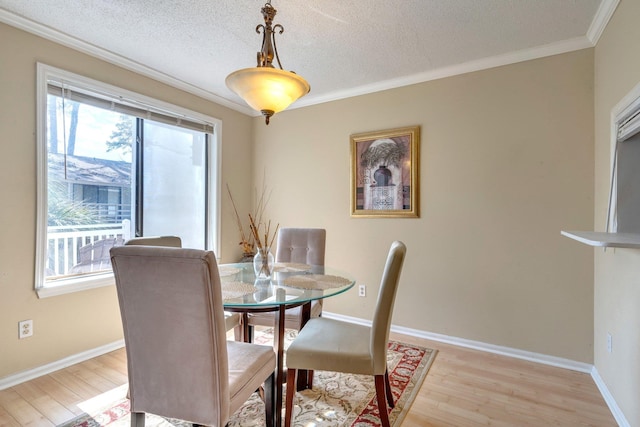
{"points": [[545, 359], [477, 345], [30, 374], [611, 402]]}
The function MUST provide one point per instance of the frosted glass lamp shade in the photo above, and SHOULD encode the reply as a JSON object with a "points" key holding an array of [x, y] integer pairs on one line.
{"points": [[268, 90]]}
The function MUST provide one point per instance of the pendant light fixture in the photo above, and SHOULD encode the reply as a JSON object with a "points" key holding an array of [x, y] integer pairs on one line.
{"points": [[265, 88]]}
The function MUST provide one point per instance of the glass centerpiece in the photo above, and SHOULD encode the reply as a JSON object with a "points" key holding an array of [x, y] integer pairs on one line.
{"points": [[263, 260]]}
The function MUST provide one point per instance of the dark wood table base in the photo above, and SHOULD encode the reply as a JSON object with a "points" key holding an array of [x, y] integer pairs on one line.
{"points": [[278, 345]]}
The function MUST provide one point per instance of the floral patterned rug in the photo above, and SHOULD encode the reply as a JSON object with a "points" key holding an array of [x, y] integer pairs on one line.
{"points": [[336, 399]]}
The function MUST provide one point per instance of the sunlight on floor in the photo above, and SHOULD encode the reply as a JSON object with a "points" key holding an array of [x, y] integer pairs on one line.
{"points": [[104, 400]]}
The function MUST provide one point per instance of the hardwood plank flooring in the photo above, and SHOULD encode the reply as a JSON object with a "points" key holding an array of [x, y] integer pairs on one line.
{"points": [[464, 387]]}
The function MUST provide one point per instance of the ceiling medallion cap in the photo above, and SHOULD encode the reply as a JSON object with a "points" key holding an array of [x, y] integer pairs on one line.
{"points": [[266, 88], [268, 12]]}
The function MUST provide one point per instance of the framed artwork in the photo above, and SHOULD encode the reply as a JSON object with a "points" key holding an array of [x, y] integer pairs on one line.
{"points": [[384, 173]]}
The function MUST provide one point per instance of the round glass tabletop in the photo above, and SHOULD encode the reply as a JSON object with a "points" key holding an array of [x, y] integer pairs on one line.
{"points": [[290, 284]]}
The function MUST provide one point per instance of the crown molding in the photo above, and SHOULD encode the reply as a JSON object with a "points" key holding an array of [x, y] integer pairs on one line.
{"points": [[603, 15], [115, 59], [564, 46], [600, 21]]}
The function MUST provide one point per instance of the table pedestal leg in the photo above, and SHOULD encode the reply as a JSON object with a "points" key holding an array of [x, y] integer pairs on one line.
{"points": [[246, 337], [280, 374], [303, 375]]}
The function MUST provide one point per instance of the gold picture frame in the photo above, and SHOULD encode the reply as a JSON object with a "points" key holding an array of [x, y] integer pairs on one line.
{"points": [[385, 172]]}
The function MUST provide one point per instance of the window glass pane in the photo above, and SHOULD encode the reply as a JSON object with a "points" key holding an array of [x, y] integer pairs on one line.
{"points": [[627, 189], [89, 186], [97, 176], [174, 183]]}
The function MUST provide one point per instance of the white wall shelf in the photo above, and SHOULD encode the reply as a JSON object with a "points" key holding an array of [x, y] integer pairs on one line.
{"points": [[605, 240]]}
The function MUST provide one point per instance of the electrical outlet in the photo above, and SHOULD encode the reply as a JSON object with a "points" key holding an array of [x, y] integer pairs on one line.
{"points": [[609, 343], [25, 329], [362, 291]]}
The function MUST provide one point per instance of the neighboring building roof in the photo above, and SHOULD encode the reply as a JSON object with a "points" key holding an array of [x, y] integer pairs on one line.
{"points": [[85, 170]]}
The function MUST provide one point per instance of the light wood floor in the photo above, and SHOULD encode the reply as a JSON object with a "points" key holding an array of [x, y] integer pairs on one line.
{"points": [[463, 388]]}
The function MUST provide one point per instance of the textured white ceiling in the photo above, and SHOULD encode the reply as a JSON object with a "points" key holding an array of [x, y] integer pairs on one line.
{"points": [[341, 47]]}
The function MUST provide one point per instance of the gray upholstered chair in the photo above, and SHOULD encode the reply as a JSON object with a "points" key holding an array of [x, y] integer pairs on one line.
{"points": [[295, 245], [179, 361], [333, 345], [232, 320]]}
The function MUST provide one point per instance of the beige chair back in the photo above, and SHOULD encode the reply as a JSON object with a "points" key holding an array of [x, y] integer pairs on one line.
{"points": [[384, 306], [169, 241], [232, 319], [174, 330], [301, 245]]}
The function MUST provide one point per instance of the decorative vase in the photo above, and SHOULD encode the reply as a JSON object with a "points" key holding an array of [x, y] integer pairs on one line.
{"points": [[263, 264]]}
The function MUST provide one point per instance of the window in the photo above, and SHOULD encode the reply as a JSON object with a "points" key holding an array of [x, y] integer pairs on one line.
{"points": [[113, 164], [623, 219], [624, 199]]}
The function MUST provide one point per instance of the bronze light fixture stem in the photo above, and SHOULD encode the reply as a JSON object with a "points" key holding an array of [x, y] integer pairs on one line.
{"points": [[269, 48], [265, 88]]}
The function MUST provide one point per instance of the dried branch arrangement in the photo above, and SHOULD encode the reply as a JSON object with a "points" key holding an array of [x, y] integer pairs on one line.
{"points": [[249, 240], [262, 241], [246, 241]]}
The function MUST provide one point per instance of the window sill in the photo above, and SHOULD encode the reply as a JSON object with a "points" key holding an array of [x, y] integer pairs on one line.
{"points": [[76, 285], [605, 240]]}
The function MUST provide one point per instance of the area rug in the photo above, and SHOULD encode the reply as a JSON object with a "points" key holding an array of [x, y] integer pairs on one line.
{"points": [[336, 400]]}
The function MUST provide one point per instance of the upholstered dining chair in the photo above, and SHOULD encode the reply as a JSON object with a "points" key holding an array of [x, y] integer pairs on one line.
{"points": [[232, 320], [167, 241], [179, 361], [333, 345], [300, 246]]}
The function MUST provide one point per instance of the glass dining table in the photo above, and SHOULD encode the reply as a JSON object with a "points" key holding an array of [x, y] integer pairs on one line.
{"points": [[291, 285]]}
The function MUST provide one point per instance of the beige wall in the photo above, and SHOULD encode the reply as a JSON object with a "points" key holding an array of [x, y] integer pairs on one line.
{"points": [[506, 163], [69, 324], [617, 287]]}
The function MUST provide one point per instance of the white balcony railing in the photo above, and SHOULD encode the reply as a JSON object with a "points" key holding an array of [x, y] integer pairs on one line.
{"points": [[65, 243]]}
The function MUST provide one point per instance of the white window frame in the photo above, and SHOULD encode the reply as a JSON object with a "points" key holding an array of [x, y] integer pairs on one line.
{"points": [[46, 73], [626, 108]]}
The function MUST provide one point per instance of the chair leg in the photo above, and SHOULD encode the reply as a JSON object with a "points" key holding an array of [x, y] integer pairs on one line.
{"points": [[291, 391], [237, 333], [387, 386], [310, 379], [382, 400], [270, 400], [137, 419]]}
